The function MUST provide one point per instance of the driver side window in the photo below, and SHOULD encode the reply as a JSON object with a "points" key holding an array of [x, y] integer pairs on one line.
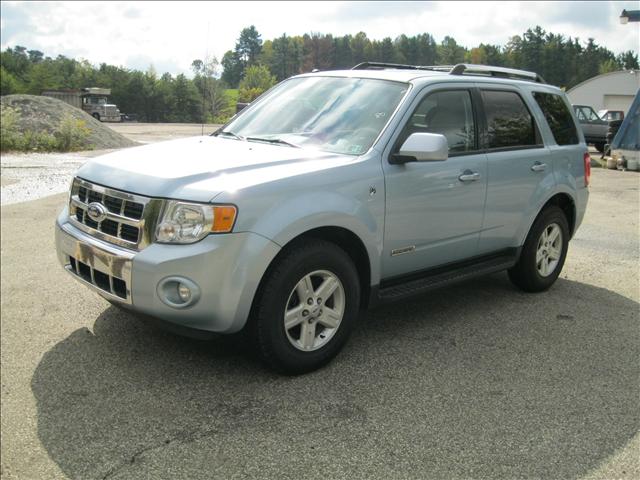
{"points": [[449, 113]]}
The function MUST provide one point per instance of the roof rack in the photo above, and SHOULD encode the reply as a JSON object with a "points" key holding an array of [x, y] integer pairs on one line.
{"points": [[400, 66], [459, 69], [501, 72]]}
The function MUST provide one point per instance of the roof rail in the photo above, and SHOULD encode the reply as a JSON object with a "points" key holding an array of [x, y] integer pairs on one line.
{"points": [[382, 65], [459, 69], [469, 69]]}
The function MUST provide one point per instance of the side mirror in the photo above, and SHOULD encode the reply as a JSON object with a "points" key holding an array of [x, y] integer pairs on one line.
{"points": [[423, 147]]}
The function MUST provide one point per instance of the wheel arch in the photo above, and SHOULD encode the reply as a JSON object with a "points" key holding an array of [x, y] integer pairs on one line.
{"points": [[566, 203], [342, 237]]}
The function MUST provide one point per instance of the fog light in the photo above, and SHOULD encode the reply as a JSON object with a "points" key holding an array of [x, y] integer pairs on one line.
{"points": [[178, 292], [184, 292]]}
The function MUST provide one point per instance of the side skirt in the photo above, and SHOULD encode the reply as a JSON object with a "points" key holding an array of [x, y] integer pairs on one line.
{"points": [[415, 283]]}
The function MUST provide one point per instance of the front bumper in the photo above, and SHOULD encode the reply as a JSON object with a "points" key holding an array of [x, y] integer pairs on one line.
{"points": [[226, 269]]}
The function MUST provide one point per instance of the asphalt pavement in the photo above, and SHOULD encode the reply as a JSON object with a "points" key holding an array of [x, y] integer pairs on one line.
{"points": [[474, 381]]}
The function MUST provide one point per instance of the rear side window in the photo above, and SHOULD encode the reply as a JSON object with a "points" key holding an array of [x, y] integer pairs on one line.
{"points": [[558, 117], [509, 122]]}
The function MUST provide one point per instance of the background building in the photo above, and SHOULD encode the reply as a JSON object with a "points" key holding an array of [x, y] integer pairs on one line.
{"points": [[611, 91]]}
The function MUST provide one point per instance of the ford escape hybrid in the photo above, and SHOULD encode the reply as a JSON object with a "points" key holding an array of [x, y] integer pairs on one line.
{"points": [[332, 192]]}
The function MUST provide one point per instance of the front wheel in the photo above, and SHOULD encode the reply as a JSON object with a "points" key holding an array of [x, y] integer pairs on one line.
{"points": [[307, 307], [544, 252]]}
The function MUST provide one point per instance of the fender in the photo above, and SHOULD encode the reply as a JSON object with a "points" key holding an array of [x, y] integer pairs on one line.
{"points": [[533, 213], [288, 220]]}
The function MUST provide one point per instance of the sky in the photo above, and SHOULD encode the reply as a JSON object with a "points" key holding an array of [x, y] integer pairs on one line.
{"points": [[170, 35]]}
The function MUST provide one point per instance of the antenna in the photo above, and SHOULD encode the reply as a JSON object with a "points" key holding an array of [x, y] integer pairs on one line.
{"points": [[204, 78]]}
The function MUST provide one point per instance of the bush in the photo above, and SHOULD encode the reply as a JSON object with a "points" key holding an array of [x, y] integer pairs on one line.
{"points": [[70, 135], [9, 135], [257, 79]]}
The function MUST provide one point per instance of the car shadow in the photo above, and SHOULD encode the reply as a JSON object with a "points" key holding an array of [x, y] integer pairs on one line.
{"points": [[473, 381]]}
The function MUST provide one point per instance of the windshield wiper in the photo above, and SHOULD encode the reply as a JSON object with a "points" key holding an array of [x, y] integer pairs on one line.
{"points": [[230, 134], [277, 141]]}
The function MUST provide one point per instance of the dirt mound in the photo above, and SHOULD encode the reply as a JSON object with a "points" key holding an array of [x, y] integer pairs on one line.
{"points": [[45, 114]]}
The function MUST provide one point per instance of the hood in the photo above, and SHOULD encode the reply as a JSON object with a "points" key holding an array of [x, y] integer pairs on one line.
{"points": [[199, 168]]}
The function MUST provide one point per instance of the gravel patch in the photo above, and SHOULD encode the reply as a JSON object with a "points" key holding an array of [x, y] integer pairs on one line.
{"points": [[30, 176]]}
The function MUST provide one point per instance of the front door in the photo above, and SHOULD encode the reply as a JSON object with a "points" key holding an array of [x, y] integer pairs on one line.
{"points": [[434, 210]]}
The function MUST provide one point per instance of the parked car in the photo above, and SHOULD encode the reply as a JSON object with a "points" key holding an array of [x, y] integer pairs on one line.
{"points": [[332, 192], [593, 127], [611, 115]]}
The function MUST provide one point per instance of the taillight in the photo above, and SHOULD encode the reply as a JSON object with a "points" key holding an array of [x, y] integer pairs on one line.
{"points": [[587, 169]]}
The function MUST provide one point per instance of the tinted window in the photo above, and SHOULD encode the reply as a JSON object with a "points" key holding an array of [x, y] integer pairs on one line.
{"points": [[448, 113], [509, 122], [558, 117]]}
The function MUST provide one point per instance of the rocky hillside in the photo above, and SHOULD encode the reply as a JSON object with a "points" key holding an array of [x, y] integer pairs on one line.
{"points": [[45, 115]]}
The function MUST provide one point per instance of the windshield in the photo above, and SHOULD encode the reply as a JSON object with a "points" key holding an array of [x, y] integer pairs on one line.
{"points": [[97, 100], [340, 115], [587, 113]]}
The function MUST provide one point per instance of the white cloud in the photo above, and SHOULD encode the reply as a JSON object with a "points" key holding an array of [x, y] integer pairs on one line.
{"points": [[171, 34]]}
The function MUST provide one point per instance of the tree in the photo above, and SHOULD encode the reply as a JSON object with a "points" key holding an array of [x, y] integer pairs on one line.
{"points": [[232, 69], [35, 56], [359, 46], [257, 79], [187, 101], [608, 66], [211, 89], [449, 52], [249, 46], [8, 83], [628, 60], [318, 52]]}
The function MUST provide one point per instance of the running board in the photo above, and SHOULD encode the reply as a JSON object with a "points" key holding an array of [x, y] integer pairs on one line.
{"points": [[443, 276]]}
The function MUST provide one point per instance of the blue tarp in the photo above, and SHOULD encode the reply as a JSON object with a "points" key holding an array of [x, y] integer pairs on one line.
{"points": [[628, 136]]}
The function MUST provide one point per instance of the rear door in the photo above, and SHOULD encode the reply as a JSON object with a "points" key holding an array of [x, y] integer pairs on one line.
{"points": [[519, 167], [434, 209]]}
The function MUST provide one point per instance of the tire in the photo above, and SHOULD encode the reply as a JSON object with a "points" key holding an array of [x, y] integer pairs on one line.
{"points": [[96, 116], [540, 263], [316, 332], [599, 146]]}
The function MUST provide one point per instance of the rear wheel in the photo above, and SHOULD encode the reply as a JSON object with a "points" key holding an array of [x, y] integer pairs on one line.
{"points": [[307, 308], [544, 252], [599, 146]]}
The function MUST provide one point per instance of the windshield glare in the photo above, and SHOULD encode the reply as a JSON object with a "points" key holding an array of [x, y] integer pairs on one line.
{"points": [[340, 115]]}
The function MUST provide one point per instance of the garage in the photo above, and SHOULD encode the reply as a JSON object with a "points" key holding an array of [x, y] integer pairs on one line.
{"points": [[611, 91], [618, 102]]}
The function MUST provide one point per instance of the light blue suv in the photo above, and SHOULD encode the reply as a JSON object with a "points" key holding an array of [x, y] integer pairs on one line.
{"points": [[332, 192]]}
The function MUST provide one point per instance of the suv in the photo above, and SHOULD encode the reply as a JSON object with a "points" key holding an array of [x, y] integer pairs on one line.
{"points": [[332, 192]]}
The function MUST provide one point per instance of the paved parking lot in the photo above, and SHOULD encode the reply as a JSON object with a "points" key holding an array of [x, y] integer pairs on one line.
{"points": [[473, 381]]}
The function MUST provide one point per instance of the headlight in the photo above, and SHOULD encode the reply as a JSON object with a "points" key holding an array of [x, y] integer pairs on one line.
{"points": [[189, 222]]}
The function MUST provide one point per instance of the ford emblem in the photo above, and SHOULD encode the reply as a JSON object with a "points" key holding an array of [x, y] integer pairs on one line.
{"points": [[97, 212]]}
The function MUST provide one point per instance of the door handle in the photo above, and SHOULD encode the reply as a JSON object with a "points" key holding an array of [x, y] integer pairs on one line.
{"points": [[469, 176], [538, 167]]}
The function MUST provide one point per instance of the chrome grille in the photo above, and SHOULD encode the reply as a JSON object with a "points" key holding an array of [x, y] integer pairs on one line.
{"points": [[128, 218], [110, 284]]}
